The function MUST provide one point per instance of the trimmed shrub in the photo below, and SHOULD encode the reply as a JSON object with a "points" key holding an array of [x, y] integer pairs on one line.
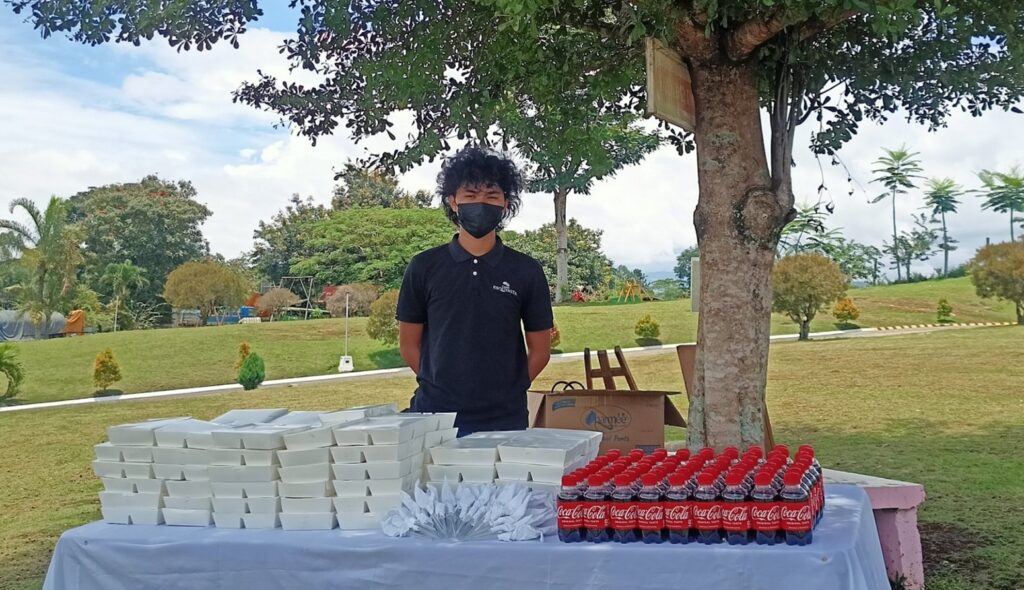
{"points": [[845, 310], [12, 370], [647, 328], [252, 373], [361, 298], [105, 371], [945, 312]]}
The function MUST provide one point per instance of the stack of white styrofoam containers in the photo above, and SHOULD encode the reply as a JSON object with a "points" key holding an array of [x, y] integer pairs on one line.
{"points": [[132, 494], [377, 459], [540, 457], [245, 475], [470, 459]]}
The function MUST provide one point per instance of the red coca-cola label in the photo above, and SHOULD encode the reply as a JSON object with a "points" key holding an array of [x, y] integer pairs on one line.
{"points": [[796, 516], [677, 516], [650, 516], [595, 515], [570, 515], [736, 516], [706, 515], [622, 515], [765, 516]]}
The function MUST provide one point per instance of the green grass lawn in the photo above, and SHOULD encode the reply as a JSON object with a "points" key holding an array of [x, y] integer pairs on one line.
{"points": [[943, 409], [189, 357]]}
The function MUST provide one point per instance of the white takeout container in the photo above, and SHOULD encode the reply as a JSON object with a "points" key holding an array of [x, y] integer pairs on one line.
{"points": [[189, 489], [133, 485], [265, 437], [132, 516], [261, 521], [230, 505], [308, 522], [227, 521], [433, 439], [195, 503], [108, 453], [466, 451], [393, 452], [374, 487], [313, 438], [314, 489], [305, 473], [248, 489], [312, 456], [387, 430], [175, 517], [138, 433], [306, 505], [268, 505], [194, 434], [241, 457], [375, 504], [143, 501], [359, 522], [180, 472], [244, 417], [523, 472], [350, 471], [108, 469], [462, 473], [349, 454], [541, 446], [180, 456], [243, 473]]}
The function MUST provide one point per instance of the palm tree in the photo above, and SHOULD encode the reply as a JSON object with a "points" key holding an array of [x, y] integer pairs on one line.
{"points": [[941, 197], [1004, 193], [50, 251], [896, 170], [121, 279]]}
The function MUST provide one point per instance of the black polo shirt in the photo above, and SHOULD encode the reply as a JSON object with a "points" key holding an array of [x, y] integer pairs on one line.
{"points": [[473, 310]]}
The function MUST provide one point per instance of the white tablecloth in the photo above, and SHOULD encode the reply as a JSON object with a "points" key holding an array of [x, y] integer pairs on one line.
{"points": [[845, 555]]}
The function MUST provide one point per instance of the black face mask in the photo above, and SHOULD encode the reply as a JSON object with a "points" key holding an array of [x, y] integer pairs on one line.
{"points": [[480, 219]]}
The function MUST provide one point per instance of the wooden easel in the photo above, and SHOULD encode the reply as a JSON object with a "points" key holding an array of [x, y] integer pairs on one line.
{"points": [[605, 371]]}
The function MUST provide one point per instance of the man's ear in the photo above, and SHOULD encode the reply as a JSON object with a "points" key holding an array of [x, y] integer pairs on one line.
{"points": [[452, 204]]}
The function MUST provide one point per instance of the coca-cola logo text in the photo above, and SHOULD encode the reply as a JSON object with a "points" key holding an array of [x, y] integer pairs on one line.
{"points": [[625, 512], [735, 515], [678, 513], [708, 514], [766, 514], [595, 512], [571, 512], [651, 513]]}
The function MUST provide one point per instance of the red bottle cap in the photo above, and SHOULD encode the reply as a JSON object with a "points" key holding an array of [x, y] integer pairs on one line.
{"points": [[734, 479], [613, 454], [805, 449], [756, 452], [764, 479], [596, 479], [659, 453], [731, 452], [677, 480], [682, 454], [651, 479], [636, 454], [570, 480], [623, 480], [705, 479], [793, 477], [708, 453], [781, 450]]}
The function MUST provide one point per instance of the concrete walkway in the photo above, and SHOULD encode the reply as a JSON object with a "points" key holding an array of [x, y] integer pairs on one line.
{"points": [[406, 372]]}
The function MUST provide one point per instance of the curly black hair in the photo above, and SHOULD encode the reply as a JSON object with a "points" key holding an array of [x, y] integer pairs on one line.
{"points": [[478, 166]]}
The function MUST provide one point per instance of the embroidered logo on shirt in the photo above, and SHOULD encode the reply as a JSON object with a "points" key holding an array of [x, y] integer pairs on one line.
{"points": [[505, 288]]}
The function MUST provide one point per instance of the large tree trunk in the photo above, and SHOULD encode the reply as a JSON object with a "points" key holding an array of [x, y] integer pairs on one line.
{"points": [[562, 244], [738, 220], [805, 330]]}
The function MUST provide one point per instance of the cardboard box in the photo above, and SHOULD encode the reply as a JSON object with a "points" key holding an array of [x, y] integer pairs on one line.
{"points": [[628, 419]]}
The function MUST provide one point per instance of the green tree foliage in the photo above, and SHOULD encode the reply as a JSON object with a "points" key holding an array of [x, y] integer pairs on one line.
{"points": [[105, 370], [121, 280], [370, 245], [683, 268], [252, 373], [944, 312], [845, 311], [896, 170], [206, 285], [917, 244], [1004, 193], [647, 328], [11, 369], [48, 251], [807, 233], [589, 268], [362, 187], [942, 197], [668, 289], [382, 325], [803, 285], [154, 223], [281, 241], [998, 271], [837, 61]]}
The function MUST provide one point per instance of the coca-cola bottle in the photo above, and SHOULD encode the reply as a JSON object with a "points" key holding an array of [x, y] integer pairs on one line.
{"points": [[650, 517], [595, 509], [764, 510], [622, 510], [735, 510], [570, 511], [795, 506], [677, 509], [635, 455], [706, 510]]}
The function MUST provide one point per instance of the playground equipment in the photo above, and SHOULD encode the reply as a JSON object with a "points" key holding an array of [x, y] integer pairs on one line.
{"points": [[345, 364], [632, 292], [305, 291]]}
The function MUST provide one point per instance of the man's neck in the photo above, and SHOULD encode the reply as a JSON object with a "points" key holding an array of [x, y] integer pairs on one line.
{"points": [[477, 246]]}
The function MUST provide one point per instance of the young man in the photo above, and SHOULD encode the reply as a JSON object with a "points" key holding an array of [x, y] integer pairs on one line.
{"points": [[464, 306]]}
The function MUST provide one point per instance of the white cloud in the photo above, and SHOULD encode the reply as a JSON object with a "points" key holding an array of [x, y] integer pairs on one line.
{"points": [[172, 114]]}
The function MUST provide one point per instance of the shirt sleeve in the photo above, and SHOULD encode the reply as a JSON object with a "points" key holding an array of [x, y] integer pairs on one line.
{"points": [[537, 314], [412, 297]]}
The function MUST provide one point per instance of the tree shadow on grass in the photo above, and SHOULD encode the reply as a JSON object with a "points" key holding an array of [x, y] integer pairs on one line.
{"points": [[847, 326], [648, 342], [386, 359], [108, 393]]}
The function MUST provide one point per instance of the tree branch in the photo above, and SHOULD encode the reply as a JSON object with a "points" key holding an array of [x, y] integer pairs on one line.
{"points": [[692, 42], [750, 35], [817, 25]]}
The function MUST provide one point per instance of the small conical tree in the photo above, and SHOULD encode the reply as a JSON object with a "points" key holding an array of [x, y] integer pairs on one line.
{"points": [[105, 371], [252, 373]]}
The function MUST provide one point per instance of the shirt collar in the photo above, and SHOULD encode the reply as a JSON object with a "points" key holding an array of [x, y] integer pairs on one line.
{"points": [[461, 255]]}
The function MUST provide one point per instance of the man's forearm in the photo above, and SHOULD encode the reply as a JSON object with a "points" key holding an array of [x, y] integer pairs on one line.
{"points": [[536, 360], [411, 356]]}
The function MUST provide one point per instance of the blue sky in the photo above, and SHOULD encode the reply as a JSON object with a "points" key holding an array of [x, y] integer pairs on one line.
{"points": [[73, 116]]}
